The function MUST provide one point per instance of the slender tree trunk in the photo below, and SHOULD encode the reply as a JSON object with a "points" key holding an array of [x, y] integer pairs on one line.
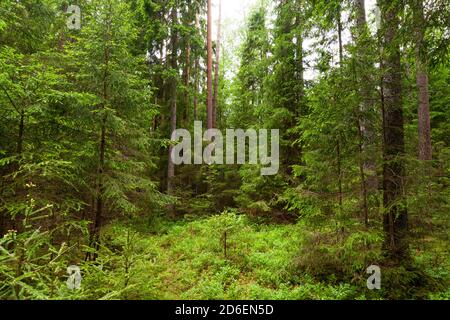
{"points": [[339, 26], [196, 81], [338, 141], [173, 104], [396, 217], [3, 221], [291, 28], [366, 131], [216, 69], [366, 83], [21, 132], [186, 80], [300, 73], [197, 74], [99, 201], [98, 220], [363, 178], [62, 35], [209, 102], [300, 69], [160, 93], [3, 213], [425, 151], [339, 169]]}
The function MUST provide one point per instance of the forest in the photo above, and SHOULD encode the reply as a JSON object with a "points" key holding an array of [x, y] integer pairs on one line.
{"points": [[98, 201]]}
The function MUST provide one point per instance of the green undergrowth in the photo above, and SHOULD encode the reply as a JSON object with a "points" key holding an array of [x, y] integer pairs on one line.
{"points": [[190, 260]]}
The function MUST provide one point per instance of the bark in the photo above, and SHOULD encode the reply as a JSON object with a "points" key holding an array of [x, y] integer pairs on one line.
{"points": [[160, 92], [100, 190], [197, 74], [338, 141], [396, 216], [300, 72], [339, 26], [21, 132], [216, 69], [209, 102], [366, 130], [299, 59], [291, 54], [196, 80], [425, 152], [3, 219], [339, 165], [98, 220], [363, 178], [62, 36], [365, 123], [173, 104], [187, 78]]}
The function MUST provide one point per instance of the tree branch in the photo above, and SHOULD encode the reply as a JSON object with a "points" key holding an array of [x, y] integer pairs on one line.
{"points": [[11, 100]]}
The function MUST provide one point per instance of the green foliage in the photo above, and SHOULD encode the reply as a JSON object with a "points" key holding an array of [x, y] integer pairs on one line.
{"points": [[31, 263], [337, 255], [85, 118]]}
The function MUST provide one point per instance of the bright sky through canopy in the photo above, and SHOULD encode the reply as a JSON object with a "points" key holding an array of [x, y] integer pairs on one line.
{"points": [[236, 10], [234, 14]]}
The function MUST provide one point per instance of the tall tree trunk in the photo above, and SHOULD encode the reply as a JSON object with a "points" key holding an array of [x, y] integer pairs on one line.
{"points": [[339, 170], [197, 74], [173, 103], [422, 84], [365, 122], [300, 73], [98, 220], [338, 140], [363, 177], [396, 217], [366, 130], [186, 80], [300, 68], [16, 165], [339, 26], [95, 239], [160, 85], [196, 89], [209, 100], [216, 69]]}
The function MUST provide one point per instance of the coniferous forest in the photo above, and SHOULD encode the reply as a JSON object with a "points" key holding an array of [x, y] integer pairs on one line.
{"points": [[93, 204]]}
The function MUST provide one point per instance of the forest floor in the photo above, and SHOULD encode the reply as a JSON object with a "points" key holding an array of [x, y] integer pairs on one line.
{"points": [[189, 260]]}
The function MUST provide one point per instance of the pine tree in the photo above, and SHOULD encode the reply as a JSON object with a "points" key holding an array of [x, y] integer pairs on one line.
{"points": [[396, 216], [120, 111]]}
